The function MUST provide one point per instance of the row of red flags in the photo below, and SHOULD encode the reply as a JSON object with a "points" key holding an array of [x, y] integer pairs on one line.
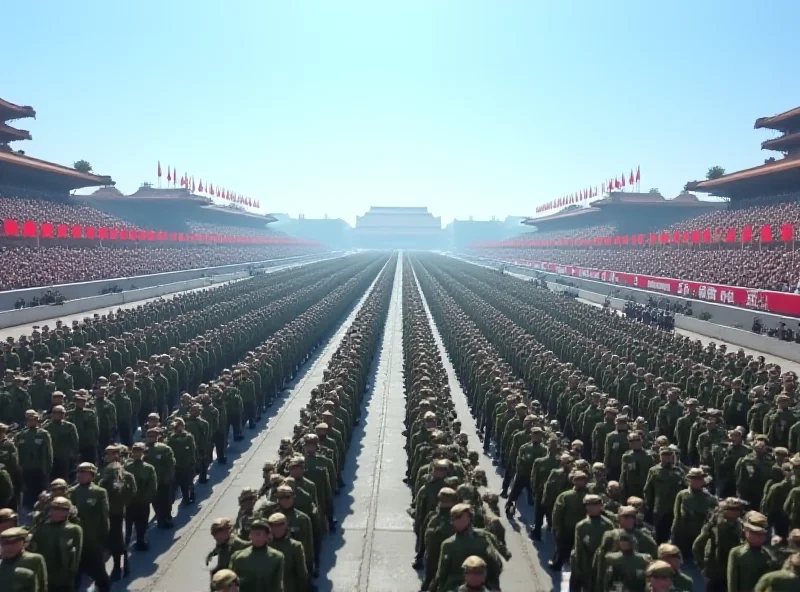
{"points": [[765, 234], [613, 184], [188, 181], [31, 229]]}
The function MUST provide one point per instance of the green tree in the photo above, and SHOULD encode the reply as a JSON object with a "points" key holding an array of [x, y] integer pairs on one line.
{"points": [[654, 190], [715, 172], [82, 166]]}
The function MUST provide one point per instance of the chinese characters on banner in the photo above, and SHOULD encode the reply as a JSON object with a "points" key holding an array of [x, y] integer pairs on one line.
{"points": [[767, 300]]}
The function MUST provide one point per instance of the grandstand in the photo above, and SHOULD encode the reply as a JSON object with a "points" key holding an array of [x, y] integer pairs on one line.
{"points": [[51, 237], [179, 210], [680, 240], [399, 228], [621, 213]]}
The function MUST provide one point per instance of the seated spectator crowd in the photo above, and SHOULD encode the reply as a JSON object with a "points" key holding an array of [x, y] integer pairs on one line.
{"points": [[225, 230], [586, 232], [28, 267], [755, 213], [57, 212]]}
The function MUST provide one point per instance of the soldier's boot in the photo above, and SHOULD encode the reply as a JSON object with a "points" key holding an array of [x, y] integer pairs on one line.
{"points": [[509, 508], [507, 478], [203, 472], [126, 570], [116, 572], [418, 561]]}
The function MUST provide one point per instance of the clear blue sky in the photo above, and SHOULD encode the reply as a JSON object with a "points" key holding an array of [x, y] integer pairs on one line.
{"points": [[467, 107]]}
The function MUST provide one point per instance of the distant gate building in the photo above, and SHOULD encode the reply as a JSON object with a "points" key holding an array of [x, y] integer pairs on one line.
{"points": [[399, 228]]}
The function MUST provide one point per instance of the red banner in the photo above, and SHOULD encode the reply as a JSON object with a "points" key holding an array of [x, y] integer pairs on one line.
{"points": [[767, 300], [30, 229]]}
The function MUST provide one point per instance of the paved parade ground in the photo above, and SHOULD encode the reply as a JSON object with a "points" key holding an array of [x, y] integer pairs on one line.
{"points": [[176, 560], [373, 546]]}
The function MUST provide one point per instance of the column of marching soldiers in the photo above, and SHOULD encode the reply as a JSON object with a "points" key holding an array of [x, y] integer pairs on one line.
{"points": [[77, 485], [643, 452]]}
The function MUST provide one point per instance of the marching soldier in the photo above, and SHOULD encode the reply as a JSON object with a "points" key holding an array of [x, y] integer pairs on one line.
{"points": [[693, 507], [751, 560], [295, 569], [226, 544], [120, 486], [92, 503], [463, 544], [60, 543], [16, 561], [185, 453], [588, 537], [163, 460], [258, 566], [137, 513], [65, 442], [35, 458]]}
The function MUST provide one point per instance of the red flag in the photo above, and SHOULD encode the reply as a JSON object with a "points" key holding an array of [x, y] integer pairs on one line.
{"points": [[623, 179], [787, 233], [730, 236], [630, 181], [210, 189], [193, 185], [747, 234], [616, 183], [200, 186], [159, 169], [218, 191], [169, 175], [174, 176], [766, 233], [638, 176]]}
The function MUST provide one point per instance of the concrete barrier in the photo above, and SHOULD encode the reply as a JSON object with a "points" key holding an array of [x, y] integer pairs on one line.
{"points": [[737, 336], [26, 316], [740, 337], [721, 314], [82, 290]]}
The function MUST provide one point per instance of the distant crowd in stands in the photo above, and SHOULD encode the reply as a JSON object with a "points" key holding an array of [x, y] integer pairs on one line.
{"points": [[776, 269], [223, 230], [586, 232], [774, 211], [40, 207], [27, 267]]}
